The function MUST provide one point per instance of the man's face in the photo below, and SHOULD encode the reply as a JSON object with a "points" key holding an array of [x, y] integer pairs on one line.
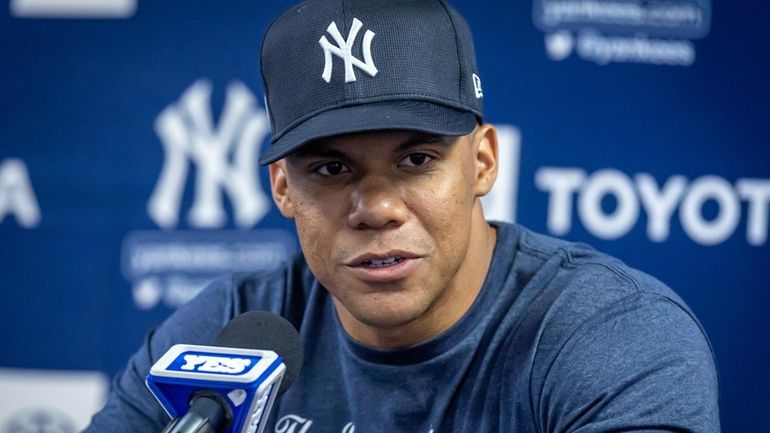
{"points": [[391, 224]]}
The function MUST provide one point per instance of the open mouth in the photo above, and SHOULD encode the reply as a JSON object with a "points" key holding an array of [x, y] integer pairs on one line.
{"points": [[384, 263], [384, 267]]}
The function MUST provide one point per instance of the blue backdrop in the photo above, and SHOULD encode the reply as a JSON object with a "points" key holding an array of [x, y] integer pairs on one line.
{"points": [[130, 129]]}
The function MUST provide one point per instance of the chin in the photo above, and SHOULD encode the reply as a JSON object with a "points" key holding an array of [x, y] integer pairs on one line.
{"points": [[388, 315], [385, 321]]}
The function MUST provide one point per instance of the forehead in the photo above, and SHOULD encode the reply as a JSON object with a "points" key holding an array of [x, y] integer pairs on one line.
{"points": [[389, 140]]}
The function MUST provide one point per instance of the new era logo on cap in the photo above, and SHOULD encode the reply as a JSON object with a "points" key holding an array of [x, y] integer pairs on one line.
{"points": [[477, 86], [344, 50]]}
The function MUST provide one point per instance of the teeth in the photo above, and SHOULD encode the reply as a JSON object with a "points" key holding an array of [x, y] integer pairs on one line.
{"points": [[390, 261]]}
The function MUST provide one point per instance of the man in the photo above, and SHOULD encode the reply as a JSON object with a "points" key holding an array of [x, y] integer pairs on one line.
{"points": [[416, 314]]}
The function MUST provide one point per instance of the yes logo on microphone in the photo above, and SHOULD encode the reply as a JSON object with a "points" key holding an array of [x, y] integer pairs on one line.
{"points": [[203, 362], [247, 380]]}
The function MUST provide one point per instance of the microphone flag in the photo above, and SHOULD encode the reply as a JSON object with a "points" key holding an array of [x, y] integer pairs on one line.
{"points": [[246, 379]]}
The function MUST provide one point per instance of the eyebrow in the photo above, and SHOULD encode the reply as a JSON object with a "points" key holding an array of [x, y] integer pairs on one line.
{"points": [[319, 148], [421, 138]]}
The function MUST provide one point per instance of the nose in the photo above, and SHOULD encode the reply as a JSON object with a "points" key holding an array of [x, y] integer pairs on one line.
{"points": [[376, 204]]}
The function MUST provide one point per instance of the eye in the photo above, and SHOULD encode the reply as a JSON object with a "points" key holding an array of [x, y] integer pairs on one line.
{"points": [[333, 168], [416, 159]]}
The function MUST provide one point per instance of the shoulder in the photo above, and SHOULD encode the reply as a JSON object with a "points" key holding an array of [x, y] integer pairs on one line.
{"points": [[577, 283], [579, 287], [199, 321], [613, 346], [639, 361], [283, 291]]}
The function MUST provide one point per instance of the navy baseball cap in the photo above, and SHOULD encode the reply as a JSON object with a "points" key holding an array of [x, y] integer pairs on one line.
{"points": [[334, 67]]}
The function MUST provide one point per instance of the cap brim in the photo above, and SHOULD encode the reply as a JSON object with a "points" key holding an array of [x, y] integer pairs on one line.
{"points": [[387, 115]]}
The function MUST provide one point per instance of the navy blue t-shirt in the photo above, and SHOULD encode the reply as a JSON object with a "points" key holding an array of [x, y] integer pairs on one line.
{"points": [[561, 338]]}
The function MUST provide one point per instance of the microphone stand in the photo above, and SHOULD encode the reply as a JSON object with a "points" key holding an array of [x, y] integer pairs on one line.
{"points": [[208, 413]]}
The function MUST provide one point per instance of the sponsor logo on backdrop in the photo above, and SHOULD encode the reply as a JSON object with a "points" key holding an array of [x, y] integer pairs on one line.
{"points": [[50, 401], [709, 208], [17, 198], [73, 8], [500, 203], [36, 420], [623, 31], [207, 162]]}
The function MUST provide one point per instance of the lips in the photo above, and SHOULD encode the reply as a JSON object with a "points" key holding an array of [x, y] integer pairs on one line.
{"points": [[379, 260], [383, 268]]}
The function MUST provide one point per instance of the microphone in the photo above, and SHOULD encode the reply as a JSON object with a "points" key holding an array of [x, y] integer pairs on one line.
{"points": [[229, 387]]}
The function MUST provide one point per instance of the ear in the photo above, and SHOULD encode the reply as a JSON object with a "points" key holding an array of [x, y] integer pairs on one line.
{"points": [[279, 186], [486, 158]]}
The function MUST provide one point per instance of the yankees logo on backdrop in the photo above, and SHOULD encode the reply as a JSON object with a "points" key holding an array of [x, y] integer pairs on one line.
{"points": [[344, 50], [217, 160], [225, 157]]}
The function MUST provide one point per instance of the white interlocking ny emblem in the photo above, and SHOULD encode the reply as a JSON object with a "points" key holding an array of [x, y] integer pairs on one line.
{"points": [[344, 50], [225, 156]]}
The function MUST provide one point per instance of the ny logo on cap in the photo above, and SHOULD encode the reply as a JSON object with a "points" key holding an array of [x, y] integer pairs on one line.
{"points": [[344, 50]]}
